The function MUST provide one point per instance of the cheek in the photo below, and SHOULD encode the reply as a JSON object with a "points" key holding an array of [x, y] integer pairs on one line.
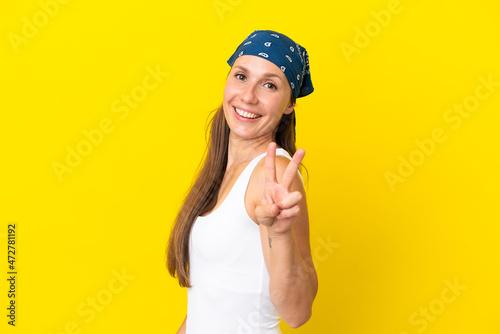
{"points": [[225, 105], [225, 93], [275, 107], [229, 91]]}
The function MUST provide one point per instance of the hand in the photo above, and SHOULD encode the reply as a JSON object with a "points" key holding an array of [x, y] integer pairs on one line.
{"points": [[279, 206]]}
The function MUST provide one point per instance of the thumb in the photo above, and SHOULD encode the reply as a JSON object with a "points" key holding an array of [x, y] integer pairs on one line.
{"points": [[266, 213]]}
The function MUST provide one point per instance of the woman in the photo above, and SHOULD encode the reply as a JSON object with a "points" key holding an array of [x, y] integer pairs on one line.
{"points": [[240, 243]]}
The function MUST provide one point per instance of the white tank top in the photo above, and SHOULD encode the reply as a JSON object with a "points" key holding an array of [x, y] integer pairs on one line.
{"points": [[229, 278]]}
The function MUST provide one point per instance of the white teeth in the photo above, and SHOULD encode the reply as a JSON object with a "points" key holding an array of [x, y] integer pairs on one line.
{"points": [[246, 114]]}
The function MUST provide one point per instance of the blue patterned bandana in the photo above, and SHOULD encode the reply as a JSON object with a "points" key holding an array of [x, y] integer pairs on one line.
{"points": [[280, 50]]}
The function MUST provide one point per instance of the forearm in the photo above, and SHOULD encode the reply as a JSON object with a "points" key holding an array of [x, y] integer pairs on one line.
{"points": [[293, 282]]}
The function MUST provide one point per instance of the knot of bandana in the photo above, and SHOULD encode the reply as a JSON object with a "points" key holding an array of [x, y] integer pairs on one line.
{"points": [[280, 50]]}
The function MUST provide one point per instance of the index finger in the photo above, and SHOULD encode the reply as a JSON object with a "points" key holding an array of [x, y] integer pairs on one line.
{"points": [[269, 166], [292, 168]]}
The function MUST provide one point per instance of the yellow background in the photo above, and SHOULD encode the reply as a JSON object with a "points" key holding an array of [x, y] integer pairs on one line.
{"points": [[383, 253]]}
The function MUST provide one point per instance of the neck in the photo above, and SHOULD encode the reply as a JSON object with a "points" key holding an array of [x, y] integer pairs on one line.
{"points": [[241, 150]]}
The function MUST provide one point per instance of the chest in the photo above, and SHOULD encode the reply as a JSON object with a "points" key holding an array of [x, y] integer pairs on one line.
{"points": [[228, 235]]}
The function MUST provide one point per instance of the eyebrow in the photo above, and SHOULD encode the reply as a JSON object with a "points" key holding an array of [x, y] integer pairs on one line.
{"points": [[267, 74]]}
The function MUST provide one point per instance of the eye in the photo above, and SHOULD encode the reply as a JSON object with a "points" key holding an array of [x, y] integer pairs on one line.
{"points": [[271, 85], [240, 76]]}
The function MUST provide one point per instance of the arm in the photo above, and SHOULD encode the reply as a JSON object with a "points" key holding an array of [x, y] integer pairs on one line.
{"points": [[182, 329], [284, 227]]}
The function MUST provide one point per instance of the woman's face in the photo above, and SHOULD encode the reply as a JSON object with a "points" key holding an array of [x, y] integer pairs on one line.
{"points": [[256, 95]]}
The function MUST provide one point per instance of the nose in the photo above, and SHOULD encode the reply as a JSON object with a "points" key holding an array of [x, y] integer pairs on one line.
{"points": [[248, 95]]}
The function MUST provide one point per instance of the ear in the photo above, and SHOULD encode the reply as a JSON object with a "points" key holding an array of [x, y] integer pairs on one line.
{"points": [[289, 108]]}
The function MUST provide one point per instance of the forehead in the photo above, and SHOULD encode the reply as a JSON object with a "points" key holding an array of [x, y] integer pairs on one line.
{"points": [[259, 66]]}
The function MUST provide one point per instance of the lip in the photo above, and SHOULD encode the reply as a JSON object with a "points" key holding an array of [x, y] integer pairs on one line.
{"points": [[241, 118]]}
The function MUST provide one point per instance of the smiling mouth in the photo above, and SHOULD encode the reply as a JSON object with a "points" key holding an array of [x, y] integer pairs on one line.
{"points": [[246, 114]]}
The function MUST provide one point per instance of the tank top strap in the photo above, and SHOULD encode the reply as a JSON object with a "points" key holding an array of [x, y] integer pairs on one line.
{"points": [[242, 181]]}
